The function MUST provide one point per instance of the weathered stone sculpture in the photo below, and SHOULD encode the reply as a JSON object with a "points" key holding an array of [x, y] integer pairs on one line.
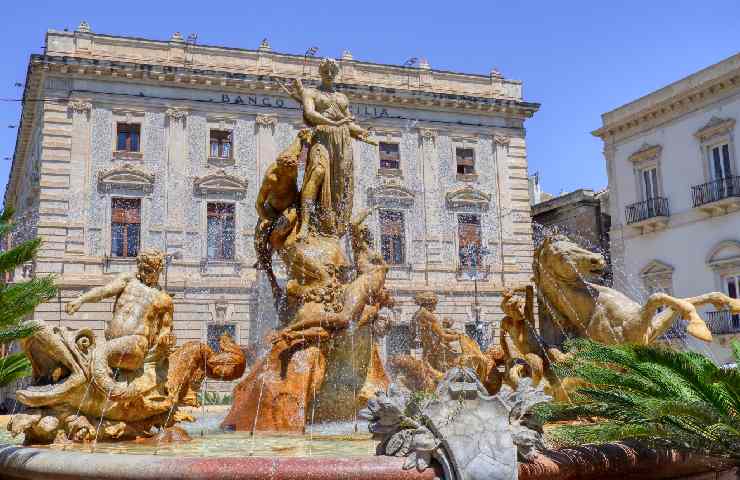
{"points": [[120, 386], [470, 434], [324, 362], [442, 348], [525, 355], [563, 274]]}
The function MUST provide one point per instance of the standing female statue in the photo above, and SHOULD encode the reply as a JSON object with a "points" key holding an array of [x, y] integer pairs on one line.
{"points": [[327, 192]]}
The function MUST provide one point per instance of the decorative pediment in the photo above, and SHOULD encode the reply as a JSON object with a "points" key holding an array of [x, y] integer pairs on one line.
{"points": [[724, 254], [220, 182], [390, 192], [467, 197], [646, 152], [715, 126], [126, 176], [655, 269]]}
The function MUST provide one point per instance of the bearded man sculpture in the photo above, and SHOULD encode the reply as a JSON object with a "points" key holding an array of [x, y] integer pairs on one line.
{"points": [[122, 385], [141, 323]]}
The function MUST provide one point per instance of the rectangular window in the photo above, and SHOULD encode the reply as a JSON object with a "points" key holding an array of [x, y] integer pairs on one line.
{"points": [[221, 231], [214, 332], [128, 135], [469, 240], [220, 144], [390, 156], [392, 238], [719, 162], [732, 283], [650, 183], [125, 227], [465, 160]]}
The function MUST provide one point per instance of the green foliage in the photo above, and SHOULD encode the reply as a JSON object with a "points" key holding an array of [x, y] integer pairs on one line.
{"points": [[13, 367], [652, 394], [214, 398], [18, 300], [735, 350]]}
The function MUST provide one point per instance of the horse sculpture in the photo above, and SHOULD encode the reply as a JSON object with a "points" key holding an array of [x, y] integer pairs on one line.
{"points": [[564, 273]]}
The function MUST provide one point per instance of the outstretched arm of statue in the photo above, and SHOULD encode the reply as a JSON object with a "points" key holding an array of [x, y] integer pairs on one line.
{"points": [[361, 134], [111, 289], [439, 331]]}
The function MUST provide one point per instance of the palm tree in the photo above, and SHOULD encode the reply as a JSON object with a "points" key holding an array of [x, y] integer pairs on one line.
{"points": [[651, 394], [18, 300]]}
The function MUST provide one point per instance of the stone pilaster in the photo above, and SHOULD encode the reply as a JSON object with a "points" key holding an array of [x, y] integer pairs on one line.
{"points": [[79, 182], [265, 133], [426, 167], [176, 178], [54, 185]]}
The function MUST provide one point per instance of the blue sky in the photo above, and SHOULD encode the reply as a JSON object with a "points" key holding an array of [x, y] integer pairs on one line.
{"points": [[577, 58]]}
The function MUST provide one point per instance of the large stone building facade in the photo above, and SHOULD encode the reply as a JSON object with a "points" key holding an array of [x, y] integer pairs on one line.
{"points": [[128, 143], [674, 193]]}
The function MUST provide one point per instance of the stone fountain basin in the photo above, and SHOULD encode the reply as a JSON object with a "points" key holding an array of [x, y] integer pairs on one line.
{"points": [[604, 462]]}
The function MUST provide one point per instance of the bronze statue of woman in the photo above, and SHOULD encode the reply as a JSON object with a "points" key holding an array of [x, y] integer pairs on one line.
{"points": [[327, 192]]}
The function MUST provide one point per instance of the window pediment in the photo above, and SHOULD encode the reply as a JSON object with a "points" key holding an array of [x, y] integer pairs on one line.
{"points": [[390, 192], [467, 197], [724, 254], [646, 152], [220, 182], [715, 126], [656, 269], [126, 176]]}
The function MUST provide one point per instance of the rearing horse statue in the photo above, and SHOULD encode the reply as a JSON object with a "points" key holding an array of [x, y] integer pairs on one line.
{"points": [[563, 272]]}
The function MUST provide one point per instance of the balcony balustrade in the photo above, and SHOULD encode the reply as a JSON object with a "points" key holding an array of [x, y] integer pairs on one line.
{"points": [[718, 196], [649, 215], [723, 322]]}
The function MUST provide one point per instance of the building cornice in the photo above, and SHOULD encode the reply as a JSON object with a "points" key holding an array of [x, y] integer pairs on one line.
{"points": [[679, 98], [220, 81], [263, 61]]}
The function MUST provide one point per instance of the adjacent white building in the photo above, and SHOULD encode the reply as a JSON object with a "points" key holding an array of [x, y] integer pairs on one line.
{"points": [[671, 158]]}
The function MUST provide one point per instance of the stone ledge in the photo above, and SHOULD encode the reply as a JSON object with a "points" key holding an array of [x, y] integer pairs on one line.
{"points": [[612, 461], [31, 463]]}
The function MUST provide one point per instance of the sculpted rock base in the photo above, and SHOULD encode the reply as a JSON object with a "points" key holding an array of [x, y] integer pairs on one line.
{"points": [[292, 387]]}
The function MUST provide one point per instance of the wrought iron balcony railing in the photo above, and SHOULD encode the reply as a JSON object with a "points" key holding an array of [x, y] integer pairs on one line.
{"points": [[650, 208], [723, 322], [715, 191]]}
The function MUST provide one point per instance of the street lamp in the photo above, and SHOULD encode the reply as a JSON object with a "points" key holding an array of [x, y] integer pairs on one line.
{"points": [[472, 257]]}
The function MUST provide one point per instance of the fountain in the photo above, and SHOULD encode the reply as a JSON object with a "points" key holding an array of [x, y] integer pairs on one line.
{"points": [[456, 412]]}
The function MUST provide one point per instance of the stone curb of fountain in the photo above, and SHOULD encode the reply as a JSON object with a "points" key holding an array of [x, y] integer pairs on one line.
{"points": [[33, 463], [612, 461]]}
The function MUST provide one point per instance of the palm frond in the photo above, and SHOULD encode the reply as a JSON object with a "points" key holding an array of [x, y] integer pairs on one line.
{"points": [[13, 367], [735, 350], [5, 223], [19, 299], [18, 255], [649, 393]]}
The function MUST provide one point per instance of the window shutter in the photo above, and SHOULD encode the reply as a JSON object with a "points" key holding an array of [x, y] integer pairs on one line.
{"points": [[126, 210]]}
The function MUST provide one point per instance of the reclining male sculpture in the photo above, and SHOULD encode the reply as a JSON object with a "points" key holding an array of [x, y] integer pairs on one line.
{"points": [[118, 387]]}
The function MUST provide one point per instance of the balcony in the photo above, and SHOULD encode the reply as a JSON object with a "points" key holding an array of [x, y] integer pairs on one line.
{"points": [[723, 322], [717, 197], [649, 215]]}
